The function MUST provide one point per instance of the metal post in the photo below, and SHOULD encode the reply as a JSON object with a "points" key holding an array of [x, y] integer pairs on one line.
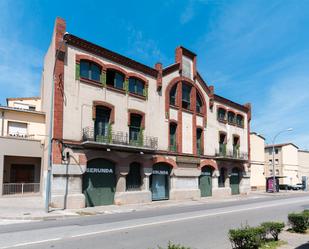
{"points": [[273, 154]]}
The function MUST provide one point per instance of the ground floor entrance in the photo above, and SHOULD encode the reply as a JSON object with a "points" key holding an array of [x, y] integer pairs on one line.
{"points": [[99, 183], [159, 181], [205, 182], [234, 181]]}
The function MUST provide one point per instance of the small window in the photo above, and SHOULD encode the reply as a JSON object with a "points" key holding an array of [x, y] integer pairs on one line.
{"points": [[231, 118], [199, 137], [172, 130], [114, 79], [221, 115], [199, 103], [134, 179], [276, 151], [90, 70], [173, 95], [136, 86], [186, 92], [240, 120]]}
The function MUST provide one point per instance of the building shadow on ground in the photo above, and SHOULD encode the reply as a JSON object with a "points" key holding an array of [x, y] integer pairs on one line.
{"points": [[303, 246]]}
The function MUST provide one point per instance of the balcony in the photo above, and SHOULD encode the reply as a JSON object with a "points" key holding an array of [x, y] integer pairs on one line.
{"points": [[119, 139], [223, 153]]}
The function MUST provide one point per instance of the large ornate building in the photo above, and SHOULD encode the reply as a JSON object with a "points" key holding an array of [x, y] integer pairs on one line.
{"points": [[124, 132]]}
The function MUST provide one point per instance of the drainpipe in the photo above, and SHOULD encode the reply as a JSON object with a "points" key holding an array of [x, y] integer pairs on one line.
{"points": [[2, 126]]}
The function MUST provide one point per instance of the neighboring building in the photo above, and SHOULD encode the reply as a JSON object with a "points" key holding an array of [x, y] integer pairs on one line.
{"points": [[257, 164], [22, 133], [125, 132], [303, 164], [286, 163]]}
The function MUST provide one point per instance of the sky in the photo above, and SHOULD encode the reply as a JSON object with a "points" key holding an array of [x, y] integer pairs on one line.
{"points": [[253, 51]]}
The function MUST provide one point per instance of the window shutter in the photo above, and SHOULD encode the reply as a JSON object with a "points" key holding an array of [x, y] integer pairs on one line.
{"points": [[103, 78], [126, 85], [77, 71], [145, 91]]}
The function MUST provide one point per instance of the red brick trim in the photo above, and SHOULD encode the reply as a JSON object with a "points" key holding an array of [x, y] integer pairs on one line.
{"points": [[59, 30], [158, 67], [97, 103], [137, 76], [134, 111], [208, 162], [162, 159], [230, 103], [208, 89], [80, 57], [194, 134], [116, 68]]}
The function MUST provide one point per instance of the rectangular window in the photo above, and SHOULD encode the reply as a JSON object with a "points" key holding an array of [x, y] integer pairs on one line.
{"points": [[186, 91], [84, 69], [136, 86], [173, 129], [135, 134], [17, 129], [199, 138], [114, 79]]}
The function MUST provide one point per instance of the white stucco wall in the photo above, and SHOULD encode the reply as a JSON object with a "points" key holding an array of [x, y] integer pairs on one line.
{"points": [[257, 168]]}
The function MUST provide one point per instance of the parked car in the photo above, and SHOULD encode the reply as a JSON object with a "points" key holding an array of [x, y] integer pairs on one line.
{"points": [[298, 186]]}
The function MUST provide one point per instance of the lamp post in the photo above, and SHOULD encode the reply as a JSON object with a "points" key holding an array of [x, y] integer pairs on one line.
{"points": [[50, 134], [273, 154]]}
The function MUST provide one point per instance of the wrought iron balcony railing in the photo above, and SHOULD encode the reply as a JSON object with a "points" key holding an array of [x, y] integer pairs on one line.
{"points": [[231, 154], [120, 138]]}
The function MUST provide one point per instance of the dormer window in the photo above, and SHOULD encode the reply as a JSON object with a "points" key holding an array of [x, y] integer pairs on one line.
{"points": [[136, 86], [90, 70], [114, 79]]}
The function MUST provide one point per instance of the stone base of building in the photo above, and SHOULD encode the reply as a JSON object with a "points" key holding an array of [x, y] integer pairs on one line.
{"points": [[70, 201], [258, 188], [185, 194], [132, 197], [221, 192]]}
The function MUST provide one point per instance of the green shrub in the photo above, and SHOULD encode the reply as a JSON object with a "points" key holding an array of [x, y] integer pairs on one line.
{"points": [[273, 228], [299, 221], [247, 237], [174, 246]]}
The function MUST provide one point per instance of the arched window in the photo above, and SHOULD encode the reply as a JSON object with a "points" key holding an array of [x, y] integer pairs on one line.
{"points": [[134, 179], [231, 117], [221, 114], [173, 94], [186, 93], [114, 78], [136, 86], [90, 70], [240, 120], [222, 177], [173, 130], [199, 103]]}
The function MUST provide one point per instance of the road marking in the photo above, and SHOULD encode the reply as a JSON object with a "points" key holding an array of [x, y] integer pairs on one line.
{"points": [[278, 203], [32, 243]]}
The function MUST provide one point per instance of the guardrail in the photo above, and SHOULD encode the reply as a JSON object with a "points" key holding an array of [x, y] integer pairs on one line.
{"points": [[20, 188], [231, 154], [120, 138]]}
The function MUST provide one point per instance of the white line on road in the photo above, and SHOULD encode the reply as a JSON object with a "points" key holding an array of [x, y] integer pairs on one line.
{"points": [[278, 203]]}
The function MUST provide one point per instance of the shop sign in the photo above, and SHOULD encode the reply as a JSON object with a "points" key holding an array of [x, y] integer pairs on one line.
{"points": [[160, 172], [99, 170]]}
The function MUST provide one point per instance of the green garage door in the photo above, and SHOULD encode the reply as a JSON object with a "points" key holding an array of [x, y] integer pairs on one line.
{"points": [[234, 181], [99, 183], [159, 181], [205, 182]]}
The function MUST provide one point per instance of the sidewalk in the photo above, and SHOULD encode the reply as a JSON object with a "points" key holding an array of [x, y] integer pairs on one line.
{"points": [[295, 240], [32, 208]]}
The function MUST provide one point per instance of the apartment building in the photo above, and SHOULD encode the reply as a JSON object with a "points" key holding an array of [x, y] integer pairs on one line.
{"points": [[125, 132], [257, 164], [22, 135]]}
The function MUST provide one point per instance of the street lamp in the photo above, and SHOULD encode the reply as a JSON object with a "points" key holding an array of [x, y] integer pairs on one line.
{"points": [[274, 175]]}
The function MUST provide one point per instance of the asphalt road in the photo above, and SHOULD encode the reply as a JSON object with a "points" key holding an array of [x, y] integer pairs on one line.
{"points": [[199, 226]]}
